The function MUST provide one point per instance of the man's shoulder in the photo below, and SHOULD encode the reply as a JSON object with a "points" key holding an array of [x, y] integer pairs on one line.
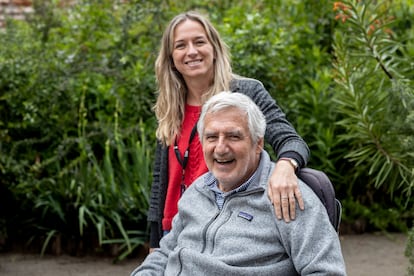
{"points": [[199, 183]]}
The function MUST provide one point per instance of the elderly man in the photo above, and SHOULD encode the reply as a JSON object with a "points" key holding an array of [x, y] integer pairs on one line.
{"points": [[226, 223]]}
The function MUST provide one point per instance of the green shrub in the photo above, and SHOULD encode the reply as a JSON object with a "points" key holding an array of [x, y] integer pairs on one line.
{"points": [[74, 88], [375, 101]]}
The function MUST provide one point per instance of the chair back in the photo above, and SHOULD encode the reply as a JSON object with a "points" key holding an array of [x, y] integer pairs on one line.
{"points": [[319, 182]]}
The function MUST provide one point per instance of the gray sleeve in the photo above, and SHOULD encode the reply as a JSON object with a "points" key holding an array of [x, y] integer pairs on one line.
{"points": [[156, 262], [153, 265]]}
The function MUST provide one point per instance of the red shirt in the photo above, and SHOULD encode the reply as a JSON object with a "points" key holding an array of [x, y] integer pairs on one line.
{"points": [[196, 165]]}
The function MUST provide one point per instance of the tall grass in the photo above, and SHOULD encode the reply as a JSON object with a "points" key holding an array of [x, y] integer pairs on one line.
{"points": [[100, 195]]}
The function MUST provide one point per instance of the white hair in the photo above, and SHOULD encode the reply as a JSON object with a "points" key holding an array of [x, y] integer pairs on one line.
{"points": [[256, 121]]}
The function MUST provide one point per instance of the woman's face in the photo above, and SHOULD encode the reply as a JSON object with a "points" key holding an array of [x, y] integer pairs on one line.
{"points": [[193, 54]]}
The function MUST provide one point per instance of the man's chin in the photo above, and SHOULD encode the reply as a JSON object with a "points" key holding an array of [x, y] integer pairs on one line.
{"points": [[225, 184]]}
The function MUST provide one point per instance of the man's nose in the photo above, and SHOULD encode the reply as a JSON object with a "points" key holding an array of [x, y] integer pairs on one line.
{"points": [[221, 146]]}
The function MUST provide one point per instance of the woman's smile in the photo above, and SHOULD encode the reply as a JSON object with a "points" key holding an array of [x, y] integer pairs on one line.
{"points": [[193, 54]]}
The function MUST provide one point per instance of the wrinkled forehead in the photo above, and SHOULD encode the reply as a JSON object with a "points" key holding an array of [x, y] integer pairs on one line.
{"points": [[230, 117]]}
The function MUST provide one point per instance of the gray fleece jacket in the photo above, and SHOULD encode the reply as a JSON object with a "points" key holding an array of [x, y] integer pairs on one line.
{"points": [[241, 238]]}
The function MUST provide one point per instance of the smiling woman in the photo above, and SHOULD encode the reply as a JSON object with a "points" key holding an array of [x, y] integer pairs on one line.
{"points": [[193, 57]]}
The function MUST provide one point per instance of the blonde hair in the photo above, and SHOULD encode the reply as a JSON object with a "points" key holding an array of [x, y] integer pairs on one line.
{"points": [[170, 104]]}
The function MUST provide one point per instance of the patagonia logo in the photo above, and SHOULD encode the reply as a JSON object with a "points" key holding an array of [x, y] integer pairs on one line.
{"points": [[245, 216]]}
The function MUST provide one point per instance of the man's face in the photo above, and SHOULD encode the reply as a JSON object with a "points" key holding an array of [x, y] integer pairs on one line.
{"points": [[228, 149]]}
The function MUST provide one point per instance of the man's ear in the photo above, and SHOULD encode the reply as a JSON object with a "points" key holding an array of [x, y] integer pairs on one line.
{"points": [[260, 145]]}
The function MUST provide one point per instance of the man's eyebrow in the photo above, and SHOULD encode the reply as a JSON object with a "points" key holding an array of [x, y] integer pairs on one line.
{"points": [[234, 132], [210, 132]]}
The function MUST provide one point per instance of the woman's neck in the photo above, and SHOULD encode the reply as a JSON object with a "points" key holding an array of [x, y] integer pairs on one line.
{"points": [[194, 98], [195, 91]]}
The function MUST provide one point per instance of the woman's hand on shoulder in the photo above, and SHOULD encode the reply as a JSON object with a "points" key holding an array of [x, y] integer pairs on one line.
{"points": [[284, 191]]}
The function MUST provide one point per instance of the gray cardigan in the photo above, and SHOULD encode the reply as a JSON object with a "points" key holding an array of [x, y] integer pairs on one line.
{"points": [[245, 238], [280, 134]]}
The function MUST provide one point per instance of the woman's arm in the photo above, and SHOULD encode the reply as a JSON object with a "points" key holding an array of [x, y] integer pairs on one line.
{"points": [[154, 203]]}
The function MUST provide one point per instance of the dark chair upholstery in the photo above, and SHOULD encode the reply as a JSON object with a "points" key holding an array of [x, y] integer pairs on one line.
{"points": [[324, 189]]}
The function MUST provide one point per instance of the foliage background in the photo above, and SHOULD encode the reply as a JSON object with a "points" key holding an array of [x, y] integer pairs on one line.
{"points": [[77, 129]]}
